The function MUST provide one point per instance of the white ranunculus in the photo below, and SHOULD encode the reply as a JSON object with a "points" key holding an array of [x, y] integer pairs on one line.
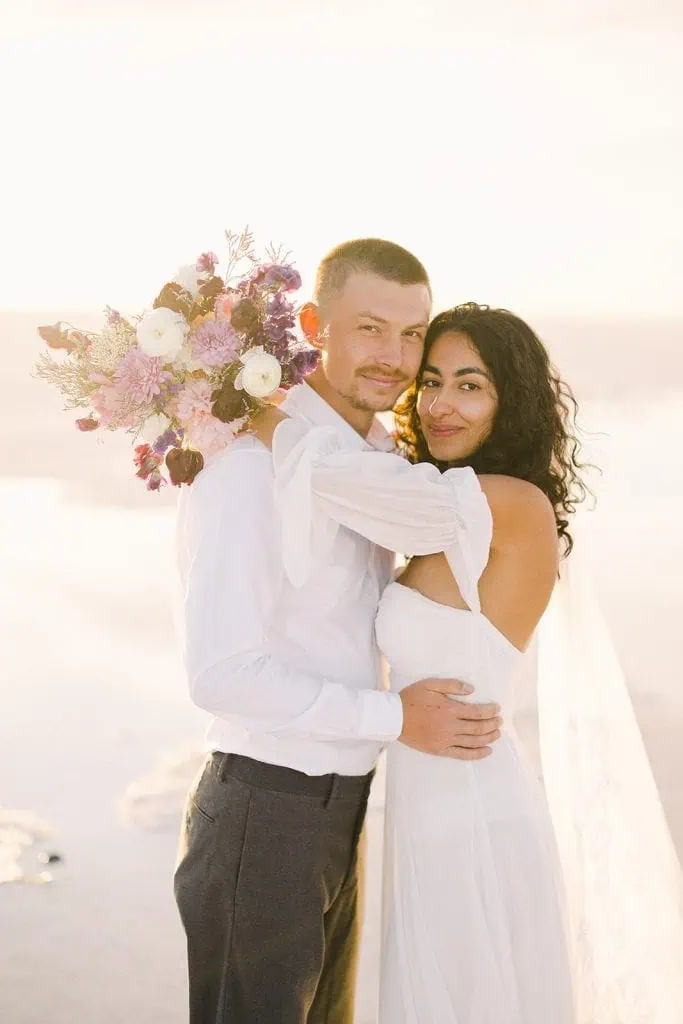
{"points": [[154, 427], [162, 333], [190, 278], [261, 373]]}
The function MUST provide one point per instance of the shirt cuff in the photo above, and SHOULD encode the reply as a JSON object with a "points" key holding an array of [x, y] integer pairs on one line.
{"points": [[381, 716]]}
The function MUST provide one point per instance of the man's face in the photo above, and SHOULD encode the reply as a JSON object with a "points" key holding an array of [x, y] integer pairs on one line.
{"points": [[373, 337]]}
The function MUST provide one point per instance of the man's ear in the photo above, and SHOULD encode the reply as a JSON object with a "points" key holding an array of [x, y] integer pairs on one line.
{"points": [[309, 318]]}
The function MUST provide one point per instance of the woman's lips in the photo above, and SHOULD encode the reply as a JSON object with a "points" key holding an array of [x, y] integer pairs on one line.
{"points": [[443, 431]]}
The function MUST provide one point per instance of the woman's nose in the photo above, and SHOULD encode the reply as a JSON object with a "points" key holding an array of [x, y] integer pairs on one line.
{"points": [[440, 405]]}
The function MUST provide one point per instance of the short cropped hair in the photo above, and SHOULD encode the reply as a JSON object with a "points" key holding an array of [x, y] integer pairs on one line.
{"points": [[366, 256]]}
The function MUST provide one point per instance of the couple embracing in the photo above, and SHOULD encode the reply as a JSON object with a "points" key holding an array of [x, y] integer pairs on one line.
{"points": [[287, 548]]}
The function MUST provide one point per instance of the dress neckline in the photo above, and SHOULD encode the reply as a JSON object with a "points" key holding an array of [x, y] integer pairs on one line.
{"points": [[458, 611]]}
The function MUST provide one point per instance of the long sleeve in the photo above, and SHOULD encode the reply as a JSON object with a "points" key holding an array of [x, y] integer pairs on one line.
{"points": [[413, 509], [230, 547]]}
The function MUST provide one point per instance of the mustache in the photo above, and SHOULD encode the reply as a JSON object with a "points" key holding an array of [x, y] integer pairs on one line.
{"points": [[379, 371]]}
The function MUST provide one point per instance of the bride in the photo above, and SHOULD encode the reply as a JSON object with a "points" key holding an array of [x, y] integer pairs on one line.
{"points": [[475, 929]]}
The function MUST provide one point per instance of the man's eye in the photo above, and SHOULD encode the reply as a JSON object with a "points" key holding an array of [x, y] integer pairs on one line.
{"points": [[369, 327], [415, 335]]}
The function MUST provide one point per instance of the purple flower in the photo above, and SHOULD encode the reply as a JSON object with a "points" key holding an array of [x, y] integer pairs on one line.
{"points": [[279, 319], [215, 343], [206, 263], [155, 481], [283, 277], [301, 363], [113, 316], [275, 277], [169, 439], [282, 346]]}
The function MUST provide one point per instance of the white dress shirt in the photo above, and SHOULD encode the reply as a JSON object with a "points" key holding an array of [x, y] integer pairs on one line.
{"points": [[290, 673]]}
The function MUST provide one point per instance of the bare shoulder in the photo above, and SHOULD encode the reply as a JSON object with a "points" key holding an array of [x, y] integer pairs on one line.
{"points": [[522, 571], [522, 513]]}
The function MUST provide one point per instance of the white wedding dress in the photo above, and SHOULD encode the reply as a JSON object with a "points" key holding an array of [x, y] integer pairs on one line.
{"points": [[473, 929]]}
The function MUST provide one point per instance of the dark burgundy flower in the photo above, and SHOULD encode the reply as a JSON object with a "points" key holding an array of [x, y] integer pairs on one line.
{"points": [[183, 465], [229, 404]]}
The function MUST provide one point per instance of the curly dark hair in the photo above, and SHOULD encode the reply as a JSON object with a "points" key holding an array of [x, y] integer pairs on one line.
{"points": [[534, 432]]}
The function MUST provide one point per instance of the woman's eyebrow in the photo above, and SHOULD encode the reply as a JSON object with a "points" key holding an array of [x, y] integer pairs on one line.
{"points": [[462, 372]]}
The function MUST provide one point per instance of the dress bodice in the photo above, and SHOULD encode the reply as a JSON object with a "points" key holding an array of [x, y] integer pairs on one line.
{"points": [[423, 639]]}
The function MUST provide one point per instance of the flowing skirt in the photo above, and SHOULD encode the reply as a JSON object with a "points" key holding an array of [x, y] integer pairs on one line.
{"points": [[473, 919]]}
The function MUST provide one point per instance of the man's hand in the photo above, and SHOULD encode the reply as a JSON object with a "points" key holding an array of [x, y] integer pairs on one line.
{"points": [[435, 723], [264, 423]]}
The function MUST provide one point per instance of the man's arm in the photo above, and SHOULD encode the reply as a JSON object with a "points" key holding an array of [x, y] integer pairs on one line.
{"points": [[231, 543], [232, 553]]}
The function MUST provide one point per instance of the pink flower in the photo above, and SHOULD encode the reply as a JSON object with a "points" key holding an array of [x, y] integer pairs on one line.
{"points": [[147, 463], [206, 264], [112, 407], [215, 343], [224, 303], [139, 377], [210, 435], [194, 400]]}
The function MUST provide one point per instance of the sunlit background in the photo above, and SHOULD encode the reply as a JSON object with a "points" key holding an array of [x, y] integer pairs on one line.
{"points": [[530, 153]]}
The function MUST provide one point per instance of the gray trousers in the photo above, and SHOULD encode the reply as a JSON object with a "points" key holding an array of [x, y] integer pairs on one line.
{"points": [[268, 887]]}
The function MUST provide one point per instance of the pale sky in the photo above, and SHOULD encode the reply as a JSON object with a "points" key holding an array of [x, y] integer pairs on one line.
{"points": [[530, 156]]}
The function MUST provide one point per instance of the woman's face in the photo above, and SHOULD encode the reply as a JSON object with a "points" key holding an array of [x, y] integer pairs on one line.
{"points": [[457, 401]]}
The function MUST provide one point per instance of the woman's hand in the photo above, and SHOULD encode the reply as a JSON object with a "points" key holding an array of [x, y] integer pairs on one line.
{"points": [[264, 423]]}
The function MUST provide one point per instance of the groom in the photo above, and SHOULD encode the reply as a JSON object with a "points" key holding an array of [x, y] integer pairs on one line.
{"points": [[268, 875]]}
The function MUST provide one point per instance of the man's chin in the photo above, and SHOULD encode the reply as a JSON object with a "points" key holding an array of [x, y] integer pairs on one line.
{"points": [[372, 401]]}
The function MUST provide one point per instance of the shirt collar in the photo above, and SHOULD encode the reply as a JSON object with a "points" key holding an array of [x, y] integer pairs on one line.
{"points": [[302, 401]]}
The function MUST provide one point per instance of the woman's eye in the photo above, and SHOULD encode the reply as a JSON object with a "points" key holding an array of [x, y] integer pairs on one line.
{"points": [[470, 385], [430, 383]]}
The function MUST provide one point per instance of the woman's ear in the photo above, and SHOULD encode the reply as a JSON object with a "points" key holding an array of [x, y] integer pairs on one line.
{"points": [[309, 318]]}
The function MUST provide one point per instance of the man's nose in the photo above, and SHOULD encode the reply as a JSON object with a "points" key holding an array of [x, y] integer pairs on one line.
{"points": [[390, 351]]}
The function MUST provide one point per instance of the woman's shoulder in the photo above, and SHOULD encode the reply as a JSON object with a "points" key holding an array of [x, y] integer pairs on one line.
{"points": [[520, 509]]}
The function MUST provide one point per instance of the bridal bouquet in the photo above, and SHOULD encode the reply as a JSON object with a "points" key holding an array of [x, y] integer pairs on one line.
{"points": [[185, 377]]}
